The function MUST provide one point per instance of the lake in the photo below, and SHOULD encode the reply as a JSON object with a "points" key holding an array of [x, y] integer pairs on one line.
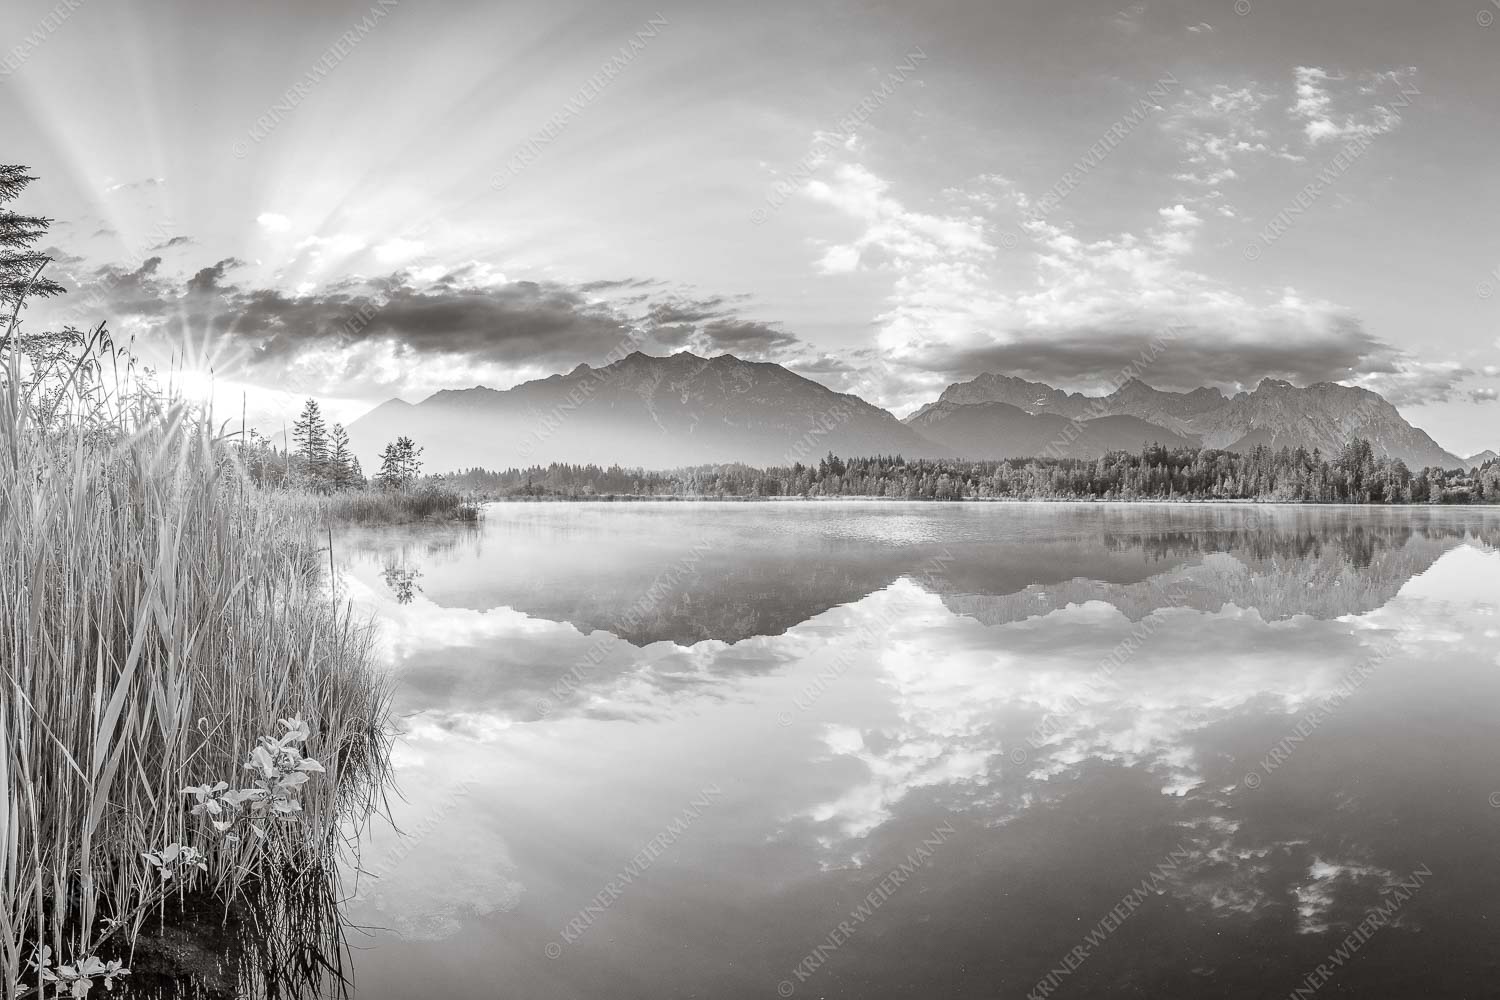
{"points": [[877, 750]]}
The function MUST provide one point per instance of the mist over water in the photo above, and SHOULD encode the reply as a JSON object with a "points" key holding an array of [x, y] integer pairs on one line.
{"points": [[880, 750]]}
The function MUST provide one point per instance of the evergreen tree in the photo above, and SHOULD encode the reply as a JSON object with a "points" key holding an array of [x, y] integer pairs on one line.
{"points": [[20, 264], [400, 463], [341, 461], [311, 436]]}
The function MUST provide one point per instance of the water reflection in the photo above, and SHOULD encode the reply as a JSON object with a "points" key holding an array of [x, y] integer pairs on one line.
{"points": [[1076, 691], [401, 579], [279, 939]]}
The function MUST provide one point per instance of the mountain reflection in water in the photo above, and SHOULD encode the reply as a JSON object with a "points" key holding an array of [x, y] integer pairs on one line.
{"points": [[1073, 694]]}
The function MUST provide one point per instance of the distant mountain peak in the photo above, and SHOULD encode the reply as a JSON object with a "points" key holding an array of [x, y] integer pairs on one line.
{"points": [[654, 412], [1324, 415]]}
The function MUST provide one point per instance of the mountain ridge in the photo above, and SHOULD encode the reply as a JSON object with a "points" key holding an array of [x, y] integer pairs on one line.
{"points": [[655, 412], [683, 409], [1324, 415]]}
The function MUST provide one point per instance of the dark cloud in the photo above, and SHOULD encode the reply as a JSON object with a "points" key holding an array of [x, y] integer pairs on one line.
{"points": [[1180, 358], [176, 241], [208, 280], [522, 323], [745, 337], [679, 311]]}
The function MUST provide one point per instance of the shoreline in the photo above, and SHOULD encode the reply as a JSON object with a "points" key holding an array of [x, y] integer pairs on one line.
{"points": [[1091, 501]]}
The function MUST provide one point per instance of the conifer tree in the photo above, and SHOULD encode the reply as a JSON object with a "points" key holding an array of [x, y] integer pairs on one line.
{"points": [[311, 436], [341, 461], [20, 262], [400, 463]]}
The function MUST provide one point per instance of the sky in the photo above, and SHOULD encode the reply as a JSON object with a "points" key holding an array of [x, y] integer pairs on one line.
{"points": [[361, 200]]}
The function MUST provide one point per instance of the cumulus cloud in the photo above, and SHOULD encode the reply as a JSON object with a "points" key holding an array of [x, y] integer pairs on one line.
{"points": [[1406, 382], [1323, 116], [1217, 128], [1086, 308], [1484, 395]]}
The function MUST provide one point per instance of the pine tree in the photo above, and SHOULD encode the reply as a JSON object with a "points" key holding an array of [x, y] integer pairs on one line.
{"points": [[341, 461], [20, 264], [311, 436], [399, 463]]}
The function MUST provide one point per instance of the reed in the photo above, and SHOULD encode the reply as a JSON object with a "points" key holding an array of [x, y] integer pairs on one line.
{"points": [[375, 506], [158, 615]]}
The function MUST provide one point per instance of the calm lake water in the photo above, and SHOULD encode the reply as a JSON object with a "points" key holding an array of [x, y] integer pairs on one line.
{"points": [[875, 750]]}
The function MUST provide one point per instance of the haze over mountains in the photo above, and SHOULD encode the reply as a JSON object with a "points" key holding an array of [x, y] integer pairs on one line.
{"points": [[664, 412], [642, 411], [1276, 413]]}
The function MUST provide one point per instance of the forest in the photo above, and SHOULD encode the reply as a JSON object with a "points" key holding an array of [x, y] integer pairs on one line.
{"points": [[1355, 475]]}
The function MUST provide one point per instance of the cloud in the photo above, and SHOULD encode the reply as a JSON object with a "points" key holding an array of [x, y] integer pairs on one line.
{"points": [[274, 223], [208, 279], [1484, 395], [1217, 128], [891, 232], [823, 364], [745, 337], [1322, 121], [1406, 382], [397, 250], [1129, 19], [423, 328], [176, 241], [135, 185], [1077, 310]]}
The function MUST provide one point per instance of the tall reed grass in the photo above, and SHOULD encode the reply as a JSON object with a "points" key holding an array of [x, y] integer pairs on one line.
{"points": [[376, 506], [158, 615]]}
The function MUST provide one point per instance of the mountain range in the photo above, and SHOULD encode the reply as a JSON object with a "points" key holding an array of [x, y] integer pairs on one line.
{"points": [[665, 412], [1325, 415]]}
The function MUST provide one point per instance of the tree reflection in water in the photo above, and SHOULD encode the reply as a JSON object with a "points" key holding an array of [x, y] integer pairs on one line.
{"points": [[402, 579]]}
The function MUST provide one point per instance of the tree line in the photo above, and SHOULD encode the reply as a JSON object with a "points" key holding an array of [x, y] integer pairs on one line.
{"points": [[1354, 475], [321, 457]]}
